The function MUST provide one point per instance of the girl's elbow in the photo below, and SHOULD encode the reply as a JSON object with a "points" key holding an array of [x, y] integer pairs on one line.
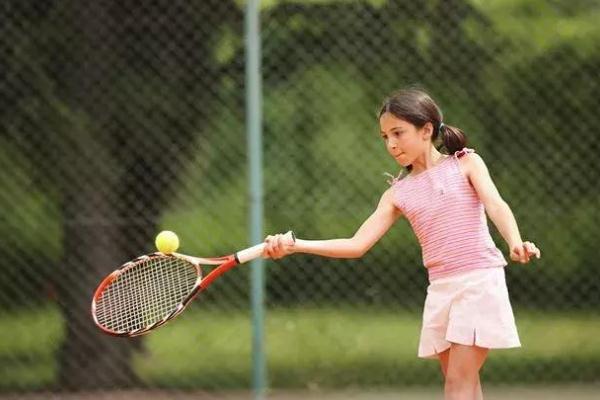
{"points": [[362, 250], [355, 249], [494, 206], [357, 254]]}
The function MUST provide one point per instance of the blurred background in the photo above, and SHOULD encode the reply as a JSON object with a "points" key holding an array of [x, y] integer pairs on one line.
{"points": [[122, 118]]}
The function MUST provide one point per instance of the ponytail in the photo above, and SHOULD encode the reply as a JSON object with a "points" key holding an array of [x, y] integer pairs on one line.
{"points": [[453, 139]]}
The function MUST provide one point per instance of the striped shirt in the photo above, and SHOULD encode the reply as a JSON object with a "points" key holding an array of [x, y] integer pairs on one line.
{"points": [[448, 219]]}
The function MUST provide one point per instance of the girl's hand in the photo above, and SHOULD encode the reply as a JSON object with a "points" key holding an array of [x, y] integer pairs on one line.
{"points": [[279, 246], [521, 252]]}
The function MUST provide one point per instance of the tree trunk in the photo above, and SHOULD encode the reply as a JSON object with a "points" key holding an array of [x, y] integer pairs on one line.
{"points": [[93, 247], [94, 243], [110, 209]]}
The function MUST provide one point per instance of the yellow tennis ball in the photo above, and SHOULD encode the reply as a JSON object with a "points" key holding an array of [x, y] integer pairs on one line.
{"points": [[167, 242]]}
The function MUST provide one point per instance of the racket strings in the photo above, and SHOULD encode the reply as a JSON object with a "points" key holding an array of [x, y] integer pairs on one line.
{"points": [[145, 294]]}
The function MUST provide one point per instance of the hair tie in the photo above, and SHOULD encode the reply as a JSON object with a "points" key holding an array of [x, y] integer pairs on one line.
{"points": [[441, 126]]}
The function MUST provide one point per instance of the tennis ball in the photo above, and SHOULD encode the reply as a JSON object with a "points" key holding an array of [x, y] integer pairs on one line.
{"points": [[167, 242]]}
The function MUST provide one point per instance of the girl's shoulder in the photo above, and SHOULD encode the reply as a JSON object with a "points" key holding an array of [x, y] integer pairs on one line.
{"points": [[469, 161], [393, 194], [463, 152], [389, 198]]}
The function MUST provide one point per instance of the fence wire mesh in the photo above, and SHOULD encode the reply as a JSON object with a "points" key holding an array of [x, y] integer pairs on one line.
{"points": [[122, 118]]}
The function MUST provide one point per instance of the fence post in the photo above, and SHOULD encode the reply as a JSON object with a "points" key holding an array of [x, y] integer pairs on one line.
{"points": [[254, 132]]}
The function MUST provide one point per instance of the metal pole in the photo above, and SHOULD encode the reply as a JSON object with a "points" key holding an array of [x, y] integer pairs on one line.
{"points": [[254, 133]]}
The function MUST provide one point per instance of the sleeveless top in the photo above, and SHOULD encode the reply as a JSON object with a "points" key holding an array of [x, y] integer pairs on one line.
{"points": [[448, 219]]}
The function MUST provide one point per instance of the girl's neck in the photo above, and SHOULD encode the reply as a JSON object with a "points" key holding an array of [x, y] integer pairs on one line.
{"points": [[427, 160]]}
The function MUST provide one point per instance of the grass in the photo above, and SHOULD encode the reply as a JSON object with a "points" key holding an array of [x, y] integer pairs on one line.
{"points": [[28, 343], [306, 347]]}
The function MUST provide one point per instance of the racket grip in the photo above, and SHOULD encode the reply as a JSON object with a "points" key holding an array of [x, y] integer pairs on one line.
{"points": [[250, 253], [257, 251]]}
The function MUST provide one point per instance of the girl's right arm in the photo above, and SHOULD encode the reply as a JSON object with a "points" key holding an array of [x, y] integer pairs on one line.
{"points": [[365, 237]]}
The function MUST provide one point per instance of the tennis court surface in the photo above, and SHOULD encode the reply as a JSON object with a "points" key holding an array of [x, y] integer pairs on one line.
{"points": [[549, 392]]}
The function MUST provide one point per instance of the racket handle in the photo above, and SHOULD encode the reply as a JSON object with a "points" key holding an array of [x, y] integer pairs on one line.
{"points": [[249, 254], [257, 251]]}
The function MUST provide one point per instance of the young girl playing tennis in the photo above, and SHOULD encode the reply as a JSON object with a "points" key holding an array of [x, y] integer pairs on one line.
{"points": [[444, 197]]}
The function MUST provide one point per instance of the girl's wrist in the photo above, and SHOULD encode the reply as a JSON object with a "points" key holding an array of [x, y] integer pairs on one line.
{"points": [[298, 246], [514, 243]]}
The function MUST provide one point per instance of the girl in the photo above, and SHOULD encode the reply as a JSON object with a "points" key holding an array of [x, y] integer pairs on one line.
{"points": [[445, 197]]}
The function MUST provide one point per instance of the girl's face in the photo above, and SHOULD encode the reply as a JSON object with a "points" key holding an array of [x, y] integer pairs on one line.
{"points": [[403, 140]]}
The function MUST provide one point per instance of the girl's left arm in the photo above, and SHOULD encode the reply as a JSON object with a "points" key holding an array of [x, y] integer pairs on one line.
{"points": [[497, 209]]}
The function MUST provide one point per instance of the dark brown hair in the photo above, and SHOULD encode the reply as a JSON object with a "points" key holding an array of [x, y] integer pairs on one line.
{"points": [[417, 107]]}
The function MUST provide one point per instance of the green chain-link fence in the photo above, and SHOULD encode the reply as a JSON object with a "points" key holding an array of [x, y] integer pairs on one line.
{"points": [[121, 118]]}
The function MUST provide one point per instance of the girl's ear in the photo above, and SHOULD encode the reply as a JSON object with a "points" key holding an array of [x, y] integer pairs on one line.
{"points": [[427, 130]]}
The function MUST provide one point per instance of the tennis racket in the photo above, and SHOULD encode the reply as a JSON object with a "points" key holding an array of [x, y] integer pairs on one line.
{"points": [[145, 293]]}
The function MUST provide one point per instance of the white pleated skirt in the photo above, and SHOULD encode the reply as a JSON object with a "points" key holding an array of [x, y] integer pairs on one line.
{"points": [[470, 308]]}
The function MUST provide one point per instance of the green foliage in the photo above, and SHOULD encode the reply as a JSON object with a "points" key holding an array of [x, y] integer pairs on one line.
{"points": [[323, 160], [537, 27], [31, 220]]}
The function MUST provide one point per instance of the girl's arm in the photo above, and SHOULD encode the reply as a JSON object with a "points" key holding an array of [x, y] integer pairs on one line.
{"points": [[367, 235], [497, 209]]}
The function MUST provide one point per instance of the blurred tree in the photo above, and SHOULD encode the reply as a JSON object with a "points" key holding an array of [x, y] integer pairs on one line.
{"points": [[90, 84], [136, 75]]}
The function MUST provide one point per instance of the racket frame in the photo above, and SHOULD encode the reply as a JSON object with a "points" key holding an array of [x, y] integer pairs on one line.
{"points": [[132, 264], [223, 264]]}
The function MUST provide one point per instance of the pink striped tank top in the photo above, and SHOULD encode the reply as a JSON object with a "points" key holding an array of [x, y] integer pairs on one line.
{"points": [[448, 219]]}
